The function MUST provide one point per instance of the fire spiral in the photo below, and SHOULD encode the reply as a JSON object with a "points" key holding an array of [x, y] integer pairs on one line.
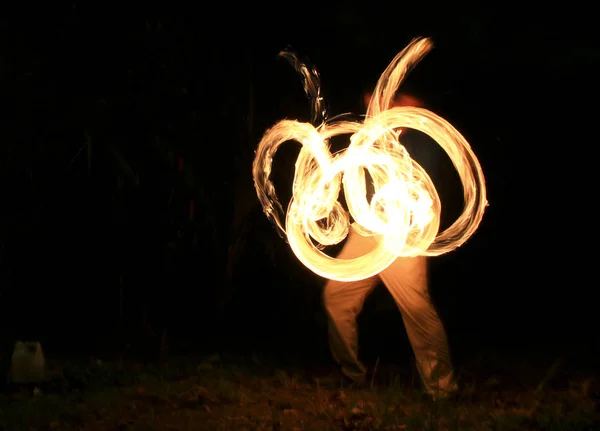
{"points": [[404, 212]]}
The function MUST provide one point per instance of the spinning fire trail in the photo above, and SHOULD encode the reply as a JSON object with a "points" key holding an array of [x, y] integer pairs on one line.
{"points": [[404, 213]]}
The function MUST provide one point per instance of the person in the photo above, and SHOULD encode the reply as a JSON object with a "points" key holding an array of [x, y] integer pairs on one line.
{"points": [[407, 281]]}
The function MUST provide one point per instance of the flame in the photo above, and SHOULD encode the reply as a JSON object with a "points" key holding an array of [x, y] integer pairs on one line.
{"points": [[404, 213]]}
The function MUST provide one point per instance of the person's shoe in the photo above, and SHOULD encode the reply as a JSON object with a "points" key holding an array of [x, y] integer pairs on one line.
{"points": [[338, 380], [453, 397]]}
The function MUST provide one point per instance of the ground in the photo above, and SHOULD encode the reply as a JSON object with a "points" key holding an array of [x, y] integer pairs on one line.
{"points": [[224, 392]]}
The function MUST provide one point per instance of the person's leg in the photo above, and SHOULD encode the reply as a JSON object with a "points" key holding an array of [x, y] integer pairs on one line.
{"points": [[343, 302], [406, 280]]}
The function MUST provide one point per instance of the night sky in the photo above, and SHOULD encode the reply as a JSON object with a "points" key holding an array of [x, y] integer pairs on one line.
{"points": [[127, 204]]}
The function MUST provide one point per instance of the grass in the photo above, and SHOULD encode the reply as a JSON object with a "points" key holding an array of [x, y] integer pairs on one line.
{"points": [[233, 393]]}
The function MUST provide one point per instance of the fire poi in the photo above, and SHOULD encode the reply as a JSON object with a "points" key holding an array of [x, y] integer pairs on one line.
{"points": [[404, 212]]}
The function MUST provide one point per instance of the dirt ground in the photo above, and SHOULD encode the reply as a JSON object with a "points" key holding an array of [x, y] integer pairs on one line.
{"points": [[248, 393]]}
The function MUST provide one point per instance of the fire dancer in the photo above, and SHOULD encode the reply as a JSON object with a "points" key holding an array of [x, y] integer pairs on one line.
{"points": [[407, 281]]}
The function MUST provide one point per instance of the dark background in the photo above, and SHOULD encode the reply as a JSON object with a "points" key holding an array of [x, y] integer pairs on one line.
{"points": [[129, 222]]}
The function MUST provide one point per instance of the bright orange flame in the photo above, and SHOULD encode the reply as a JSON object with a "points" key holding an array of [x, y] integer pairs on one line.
{"points": [[404, 213]]}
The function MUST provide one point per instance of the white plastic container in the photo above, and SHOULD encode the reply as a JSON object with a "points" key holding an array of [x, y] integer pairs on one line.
{"points": [[27, 364]]}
